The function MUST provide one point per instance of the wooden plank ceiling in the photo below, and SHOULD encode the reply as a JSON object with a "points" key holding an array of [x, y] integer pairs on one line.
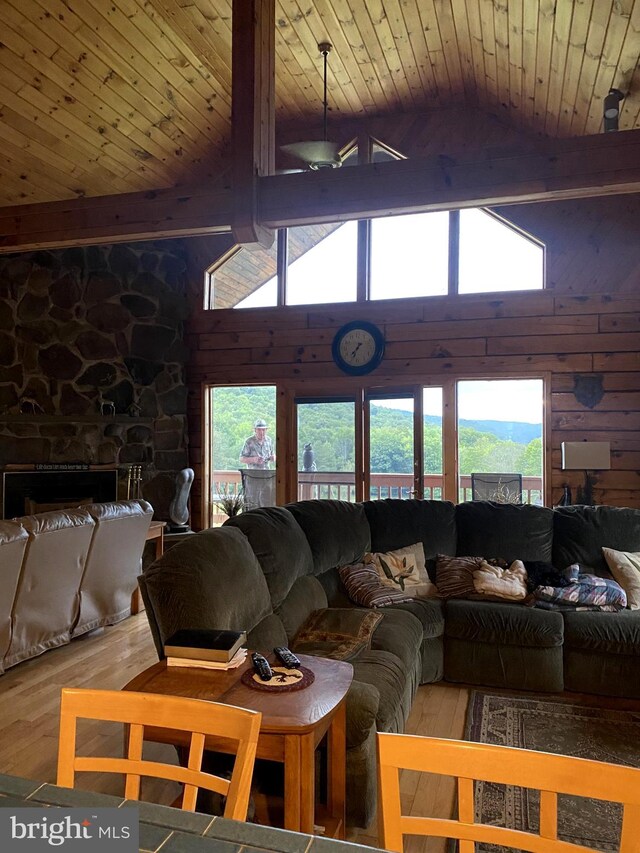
{"points": [[104, 97]]}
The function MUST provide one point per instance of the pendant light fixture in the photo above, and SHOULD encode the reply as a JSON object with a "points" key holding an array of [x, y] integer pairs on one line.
{"points": [[320, 154]]}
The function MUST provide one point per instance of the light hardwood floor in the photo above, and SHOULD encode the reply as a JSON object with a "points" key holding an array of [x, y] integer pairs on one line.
{"points": [[29, 703]]}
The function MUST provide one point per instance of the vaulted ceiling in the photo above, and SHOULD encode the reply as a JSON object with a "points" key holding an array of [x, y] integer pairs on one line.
{"points": [[102, 97]]}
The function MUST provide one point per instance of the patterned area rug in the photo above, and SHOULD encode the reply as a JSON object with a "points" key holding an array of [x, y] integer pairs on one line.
{"points": [[553, 725]]}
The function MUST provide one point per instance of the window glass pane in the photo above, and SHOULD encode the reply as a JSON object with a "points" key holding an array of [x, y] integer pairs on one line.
{"points": [[238, 443], [322, 263], [409, 255], [246, 279], [326, 450], [391, 448], [500, 432], [495, 257], [432, 443]]}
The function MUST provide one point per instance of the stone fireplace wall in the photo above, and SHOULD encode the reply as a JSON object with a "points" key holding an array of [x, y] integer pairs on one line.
{"points": [[92, 360]]}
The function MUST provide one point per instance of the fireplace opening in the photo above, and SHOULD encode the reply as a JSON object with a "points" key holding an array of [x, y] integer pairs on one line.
{"points": [[28, 492]]}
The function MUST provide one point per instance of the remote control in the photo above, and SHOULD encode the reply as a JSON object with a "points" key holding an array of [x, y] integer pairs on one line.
{"points": [[289, 660], [261, 666]]}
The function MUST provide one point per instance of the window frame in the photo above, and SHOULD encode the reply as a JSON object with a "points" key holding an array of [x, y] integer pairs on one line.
{"points": [[363, 264]]}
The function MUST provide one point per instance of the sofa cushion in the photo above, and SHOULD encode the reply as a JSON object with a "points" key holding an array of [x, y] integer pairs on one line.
{"points": [[503, 624], [396, 523], [510, 531], [337, 531], [363, 701], [615, 633], [279, 544], [388, 675], [305, 596], [210, 580], [581, 532], [430, 612], [336, 632], [401, 634]]}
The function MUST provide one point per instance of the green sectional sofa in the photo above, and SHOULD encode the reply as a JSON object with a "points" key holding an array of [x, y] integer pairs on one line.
{"points": [[270, 569]]}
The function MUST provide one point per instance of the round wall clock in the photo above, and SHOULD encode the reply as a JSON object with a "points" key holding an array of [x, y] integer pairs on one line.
{"points": [[358, 347]]}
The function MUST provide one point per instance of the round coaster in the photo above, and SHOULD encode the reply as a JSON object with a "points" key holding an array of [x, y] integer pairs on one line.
{"points": [[282, 681]]}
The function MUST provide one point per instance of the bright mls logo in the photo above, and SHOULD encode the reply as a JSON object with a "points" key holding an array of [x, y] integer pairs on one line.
{"points": [[33, 830]]}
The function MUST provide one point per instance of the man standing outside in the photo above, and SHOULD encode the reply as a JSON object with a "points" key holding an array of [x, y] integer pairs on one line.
{"points": [[257, 451]]}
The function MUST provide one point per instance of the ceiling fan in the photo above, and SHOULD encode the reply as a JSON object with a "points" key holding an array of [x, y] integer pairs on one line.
{"points": [[321, 153]]}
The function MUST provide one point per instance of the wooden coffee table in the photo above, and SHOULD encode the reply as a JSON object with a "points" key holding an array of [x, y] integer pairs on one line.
{"points": [[293, 724]]}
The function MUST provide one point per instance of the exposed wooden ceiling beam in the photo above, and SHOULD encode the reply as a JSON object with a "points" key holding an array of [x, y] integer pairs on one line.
{"points": [[115, 218], [586, 166], [606, 164], [252, 114]]}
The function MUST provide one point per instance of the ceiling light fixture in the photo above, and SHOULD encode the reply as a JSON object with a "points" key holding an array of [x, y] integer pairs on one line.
{"points": [[612, 109], [320, 154]]}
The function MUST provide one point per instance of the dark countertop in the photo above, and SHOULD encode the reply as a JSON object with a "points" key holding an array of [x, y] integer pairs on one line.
{"points": [[172, 829]]}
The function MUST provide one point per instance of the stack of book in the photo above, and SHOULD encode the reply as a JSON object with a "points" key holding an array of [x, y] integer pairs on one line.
{"points": [[206, 648]]}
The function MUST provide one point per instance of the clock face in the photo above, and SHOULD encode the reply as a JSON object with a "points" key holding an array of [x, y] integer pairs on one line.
{"points": [[358, 347]]}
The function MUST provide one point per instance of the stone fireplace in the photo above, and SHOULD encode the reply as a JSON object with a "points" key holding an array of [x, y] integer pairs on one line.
{"points": [[92, 361]]}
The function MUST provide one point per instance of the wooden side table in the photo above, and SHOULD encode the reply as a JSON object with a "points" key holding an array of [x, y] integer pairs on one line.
{"points": [[293, 724], [154, 534]]}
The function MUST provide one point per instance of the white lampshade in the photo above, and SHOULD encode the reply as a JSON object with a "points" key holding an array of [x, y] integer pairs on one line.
{"points": [[586, 455]]}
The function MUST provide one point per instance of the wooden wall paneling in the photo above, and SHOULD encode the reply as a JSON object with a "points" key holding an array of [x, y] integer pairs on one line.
{"points": [[610, 382], [559, 51], [501, 39], [573, 66], [471, 10], [600, 13], [349, 60], [451, 50], [616, 361], [604, 342], [422, 59], [108, 85], [612, 401], [617, 27], [435, 49], [489, 48]]}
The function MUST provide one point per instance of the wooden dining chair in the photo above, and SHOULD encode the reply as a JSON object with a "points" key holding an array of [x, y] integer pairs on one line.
{"points": [[550, 774], [194, 717]]}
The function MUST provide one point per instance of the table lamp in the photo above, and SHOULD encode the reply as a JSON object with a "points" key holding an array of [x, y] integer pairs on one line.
{"points": [[586, 456]]}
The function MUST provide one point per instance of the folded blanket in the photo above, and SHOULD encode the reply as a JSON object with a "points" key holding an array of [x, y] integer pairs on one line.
{"points": [[584, 592], [508, 583]]}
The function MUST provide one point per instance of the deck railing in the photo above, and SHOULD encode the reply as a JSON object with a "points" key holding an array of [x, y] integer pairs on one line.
{"points": [[340, 485]]}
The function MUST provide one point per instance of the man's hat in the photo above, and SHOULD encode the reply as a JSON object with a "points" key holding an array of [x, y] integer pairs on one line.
{"points": [[260, 424]]}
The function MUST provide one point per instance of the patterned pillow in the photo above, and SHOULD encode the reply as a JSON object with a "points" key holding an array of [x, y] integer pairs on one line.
{"points": [[625, 567], [364, 587], [404, 569], [454, 576], [340, 633]]}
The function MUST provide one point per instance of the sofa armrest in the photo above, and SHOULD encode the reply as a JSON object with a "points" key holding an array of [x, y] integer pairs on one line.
{"points": [[362, 708]]}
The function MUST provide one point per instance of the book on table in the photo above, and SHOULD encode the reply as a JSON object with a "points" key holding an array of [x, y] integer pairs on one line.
{"points": [[239, 657], [204, 644]]}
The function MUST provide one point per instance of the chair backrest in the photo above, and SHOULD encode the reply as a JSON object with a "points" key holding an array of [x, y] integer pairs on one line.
{"points": [[551, 774], [259, 487], [501, 488], [196, 717]]}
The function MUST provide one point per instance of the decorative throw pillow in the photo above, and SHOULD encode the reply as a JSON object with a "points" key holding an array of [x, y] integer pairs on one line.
{"points": [[363, 586], [340, 633], [454, 576], [405, 570], [625, 567]]}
